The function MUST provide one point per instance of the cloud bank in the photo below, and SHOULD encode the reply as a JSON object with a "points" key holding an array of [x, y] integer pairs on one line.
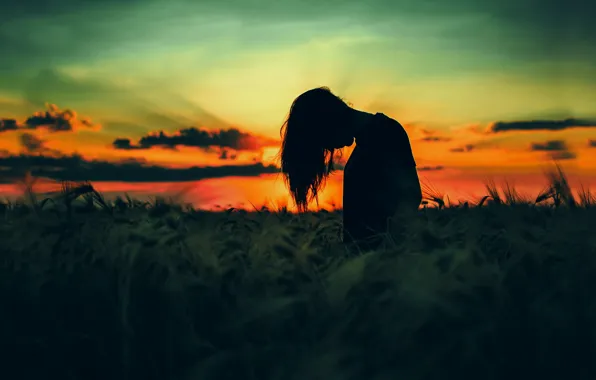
{"points": [[76, 168], [540, 125], [231, 138]]}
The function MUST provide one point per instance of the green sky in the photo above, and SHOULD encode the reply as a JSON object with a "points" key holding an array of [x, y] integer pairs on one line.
{"points": [[243, 61]]}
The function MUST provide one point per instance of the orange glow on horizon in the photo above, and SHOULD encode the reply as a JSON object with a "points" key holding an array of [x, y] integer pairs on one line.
{"points": [[270, 190], [499, 155]]}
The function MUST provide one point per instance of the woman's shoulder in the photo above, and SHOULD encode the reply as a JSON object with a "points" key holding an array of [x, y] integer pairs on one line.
{"points": [[383, 130], [386, 139], [392, 125]]}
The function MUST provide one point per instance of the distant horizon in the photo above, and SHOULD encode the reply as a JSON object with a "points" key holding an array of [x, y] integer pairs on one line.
{"points": [[269, 190]]}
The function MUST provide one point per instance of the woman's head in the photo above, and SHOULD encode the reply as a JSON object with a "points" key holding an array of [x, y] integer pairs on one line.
{"points": [[317, 125]]}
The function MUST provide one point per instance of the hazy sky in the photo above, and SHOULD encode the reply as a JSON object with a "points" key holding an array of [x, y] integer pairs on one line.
{"points": [[448, 70]]}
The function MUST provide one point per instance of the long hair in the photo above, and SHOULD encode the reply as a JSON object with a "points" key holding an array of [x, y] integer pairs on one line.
{"points": [[306, 158]]}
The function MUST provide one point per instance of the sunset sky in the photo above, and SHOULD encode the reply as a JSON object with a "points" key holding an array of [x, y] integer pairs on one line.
{"points": [[483, 88]]}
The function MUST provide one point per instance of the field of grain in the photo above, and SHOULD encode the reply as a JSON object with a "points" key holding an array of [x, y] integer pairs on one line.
{"points": [[498, 288]]}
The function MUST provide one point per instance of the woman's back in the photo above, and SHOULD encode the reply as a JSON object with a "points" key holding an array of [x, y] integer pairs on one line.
{"points": [[379, 176]]}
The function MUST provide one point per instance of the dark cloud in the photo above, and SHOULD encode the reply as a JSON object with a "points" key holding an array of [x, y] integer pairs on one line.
{"points": [[462, 149], [430, 168], [563, 155], [200, 138], [31, 143], [56, 120], [435, 139], [76, 168], [125, 144], [53, 119], [540, 125], [592, 143], [226, 155], [556, 149], [552, 145], [8, 125]]}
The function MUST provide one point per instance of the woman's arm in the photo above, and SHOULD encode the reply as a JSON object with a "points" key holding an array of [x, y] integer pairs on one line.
{"points": [[400, 192]]}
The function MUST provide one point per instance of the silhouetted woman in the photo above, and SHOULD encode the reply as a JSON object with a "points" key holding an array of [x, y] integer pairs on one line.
{"points": [[380, 177]]}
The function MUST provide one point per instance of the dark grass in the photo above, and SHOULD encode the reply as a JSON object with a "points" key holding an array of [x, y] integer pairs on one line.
{"points": [[500, 288]]}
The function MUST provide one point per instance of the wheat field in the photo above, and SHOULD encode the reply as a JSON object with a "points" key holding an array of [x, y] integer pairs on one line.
{"points": [[496, 288]]}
